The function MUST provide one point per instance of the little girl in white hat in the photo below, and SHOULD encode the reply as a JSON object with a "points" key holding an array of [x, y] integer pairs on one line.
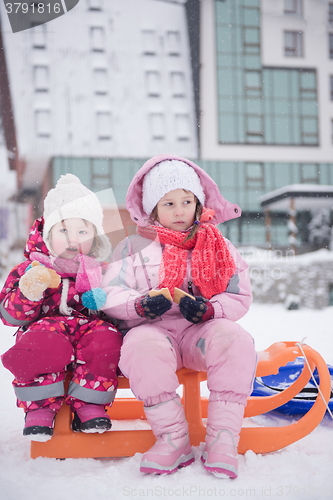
{"points": [[177, 206]]}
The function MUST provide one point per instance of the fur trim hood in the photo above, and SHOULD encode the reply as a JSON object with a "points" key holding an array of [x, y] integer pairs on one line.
{"points": [[224, 210]]}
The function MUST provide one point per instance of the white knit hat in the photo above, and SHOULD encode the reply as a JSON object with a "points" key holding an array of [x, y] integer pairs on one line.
{"points": [[167, 176], [71, 199]]}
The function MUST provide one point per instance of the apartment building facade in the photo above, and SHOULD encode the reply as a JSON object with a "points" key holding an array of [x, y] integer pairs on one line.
{"points": [[243, 87]]}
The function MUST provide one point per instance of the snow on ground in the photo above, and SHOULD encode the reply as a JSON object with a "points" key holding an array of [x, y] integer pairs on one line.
{"points": [[301, 471]]}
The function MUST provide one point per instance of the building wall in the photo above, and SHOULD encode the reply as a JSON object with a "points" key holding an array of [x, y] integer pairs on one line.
{"points": [[306, 280], [240, 182], [114, 80], [245, 72]]}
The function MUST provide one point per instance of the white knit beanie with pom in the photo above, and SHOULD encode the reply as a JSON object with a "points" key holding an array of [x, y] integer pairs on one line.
{"points": [[71, 199], [167, 176]]}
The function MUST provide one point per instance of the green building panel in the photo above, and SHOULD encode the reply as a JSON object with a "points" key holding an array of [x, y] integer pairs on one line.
{"points": [[240, 182], [276, 106]]}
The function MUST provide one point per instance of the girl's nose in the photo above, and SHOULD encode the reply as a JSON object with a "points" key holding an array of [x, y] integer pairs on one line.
{"points": [[179, 210], [72, 239]]}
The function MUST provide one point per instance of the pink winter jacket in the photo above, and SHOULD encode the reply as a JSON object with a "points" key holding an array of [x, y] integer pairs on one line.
{"points": [[134, 269], [16, 309]]}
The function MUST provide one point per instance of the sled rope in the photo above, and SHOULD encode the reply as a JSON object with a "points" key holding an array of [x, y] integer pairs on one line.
{"points": [[299, 344]]}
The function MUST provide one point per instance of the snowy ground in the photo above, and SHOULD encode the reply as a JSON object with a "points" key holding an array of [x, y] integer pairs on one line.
{"points": [[301, 471]]}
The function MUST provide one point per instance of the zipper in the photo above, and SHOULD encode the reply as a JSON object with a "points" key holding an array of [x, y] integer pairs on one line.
{"points": [[189, 287]]}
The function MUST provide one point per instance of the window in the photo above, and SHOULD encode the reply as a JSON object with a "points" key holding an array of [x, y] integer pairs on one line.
{"points": [[253, 83], [97, 39], [41, 78], [254, 176], [293, 7], [149, 42], [178, 84], [95, 4], [331, 45], [254, 128], [310, 173], [43, 123], [332, 131], [331, 87], [293, 44], [251, 40], [157, 126], [183, 127], [103, 119], [100, 81], [173, 43], [153, 82], [39, 36], [330, 12], [308, 86]]}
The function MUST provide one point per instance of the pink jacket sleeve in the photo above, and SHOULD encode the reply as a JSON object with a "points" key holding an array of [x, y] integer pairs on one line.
{"points": [[119, 282], [125, 280], [15, 308], [234, 303]]}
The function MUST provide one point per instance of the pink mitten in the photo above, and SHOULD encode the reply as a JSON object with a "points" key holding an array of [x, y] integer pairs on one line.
{"points": [[36, 280]]}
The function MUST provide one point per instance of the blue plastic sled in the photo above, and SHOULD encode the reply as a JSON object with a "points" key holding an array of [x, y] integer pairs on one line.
{"points": [[300, 404]]}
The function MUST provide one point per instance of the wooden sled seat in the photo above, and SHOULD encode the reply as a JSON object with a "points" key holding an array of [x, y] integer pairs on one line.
{"points": [[123, 443]]}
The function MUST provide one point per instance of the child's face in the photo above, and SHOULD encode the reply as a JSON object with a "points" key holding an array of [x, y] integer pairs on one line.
{"points": [[176, 210], [72, 237]]}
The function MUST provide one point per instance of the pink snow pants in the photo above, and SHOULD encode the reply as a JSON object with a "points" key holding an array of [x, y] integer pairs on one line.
{"points": [[151, 354], [38, 360]]}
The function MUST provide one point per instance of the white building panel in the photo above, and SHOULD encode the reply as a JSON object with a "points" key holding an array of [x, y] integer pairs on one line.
{"points": [[107, 79]]}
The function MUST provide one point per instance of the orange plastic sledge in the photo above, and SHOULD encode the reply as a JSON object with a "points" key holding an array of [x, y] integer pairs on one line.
{"points": [[123, 443]]}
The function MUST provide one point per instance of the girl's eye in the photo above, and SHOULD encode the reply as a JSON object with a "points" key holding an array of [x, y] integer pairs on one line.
{"points": [[63, 230], [83, 232], [168, 204]]}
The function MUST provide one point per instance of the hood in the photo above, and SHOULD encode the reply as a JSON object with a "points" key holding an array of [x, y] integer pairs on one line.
{"points": [[35, 242], [224, 210]]}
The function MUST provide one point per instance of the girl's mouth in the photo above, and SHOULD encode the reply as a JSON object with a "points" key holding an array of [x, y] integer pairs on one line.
{"points": [[72, 249]]}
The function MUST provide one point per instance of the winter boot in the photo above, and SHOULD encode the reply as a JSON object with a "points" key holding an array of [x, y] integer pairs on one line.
{"points": [[172, 449], [39, 424], [224, 423], [91, 418]]}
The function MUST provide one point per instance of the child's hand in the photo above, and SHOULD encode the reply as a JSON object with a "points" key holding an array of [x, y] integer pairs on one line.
{"points": [[152, 307], [36, 280], [196, 310]]}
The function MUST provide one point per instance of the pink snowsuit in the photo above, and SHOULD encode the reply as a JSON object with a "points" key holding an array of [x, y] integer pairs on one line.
{"points": [[47, 342], [153, 350]]}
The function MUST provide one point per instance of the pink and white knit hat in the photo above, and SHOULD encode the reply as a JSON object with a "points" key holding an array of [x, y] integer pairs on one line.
{"points": [[71, 199], [167, 176]]}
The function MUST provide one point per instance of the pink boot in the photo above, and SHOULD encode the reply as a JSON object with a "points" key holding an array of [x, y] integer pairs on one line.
{"points": [[39, 424], [224, 423], [91, 418], [172, 449]]}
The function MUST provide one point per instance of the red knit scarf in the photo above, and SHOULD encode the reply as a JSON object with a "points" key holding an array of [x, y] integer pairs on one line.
{"points": [[212, 263]]}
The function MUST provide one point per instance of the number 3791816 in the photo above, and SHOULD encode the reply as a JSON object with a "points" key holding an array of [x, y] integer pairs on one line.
{"points": [[33, 7]]}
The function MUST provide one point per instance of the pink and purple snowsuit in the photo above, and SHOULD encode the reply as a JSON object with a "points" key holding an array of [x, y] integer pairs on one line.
{"points": [[153, 350], [49, 343]]}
